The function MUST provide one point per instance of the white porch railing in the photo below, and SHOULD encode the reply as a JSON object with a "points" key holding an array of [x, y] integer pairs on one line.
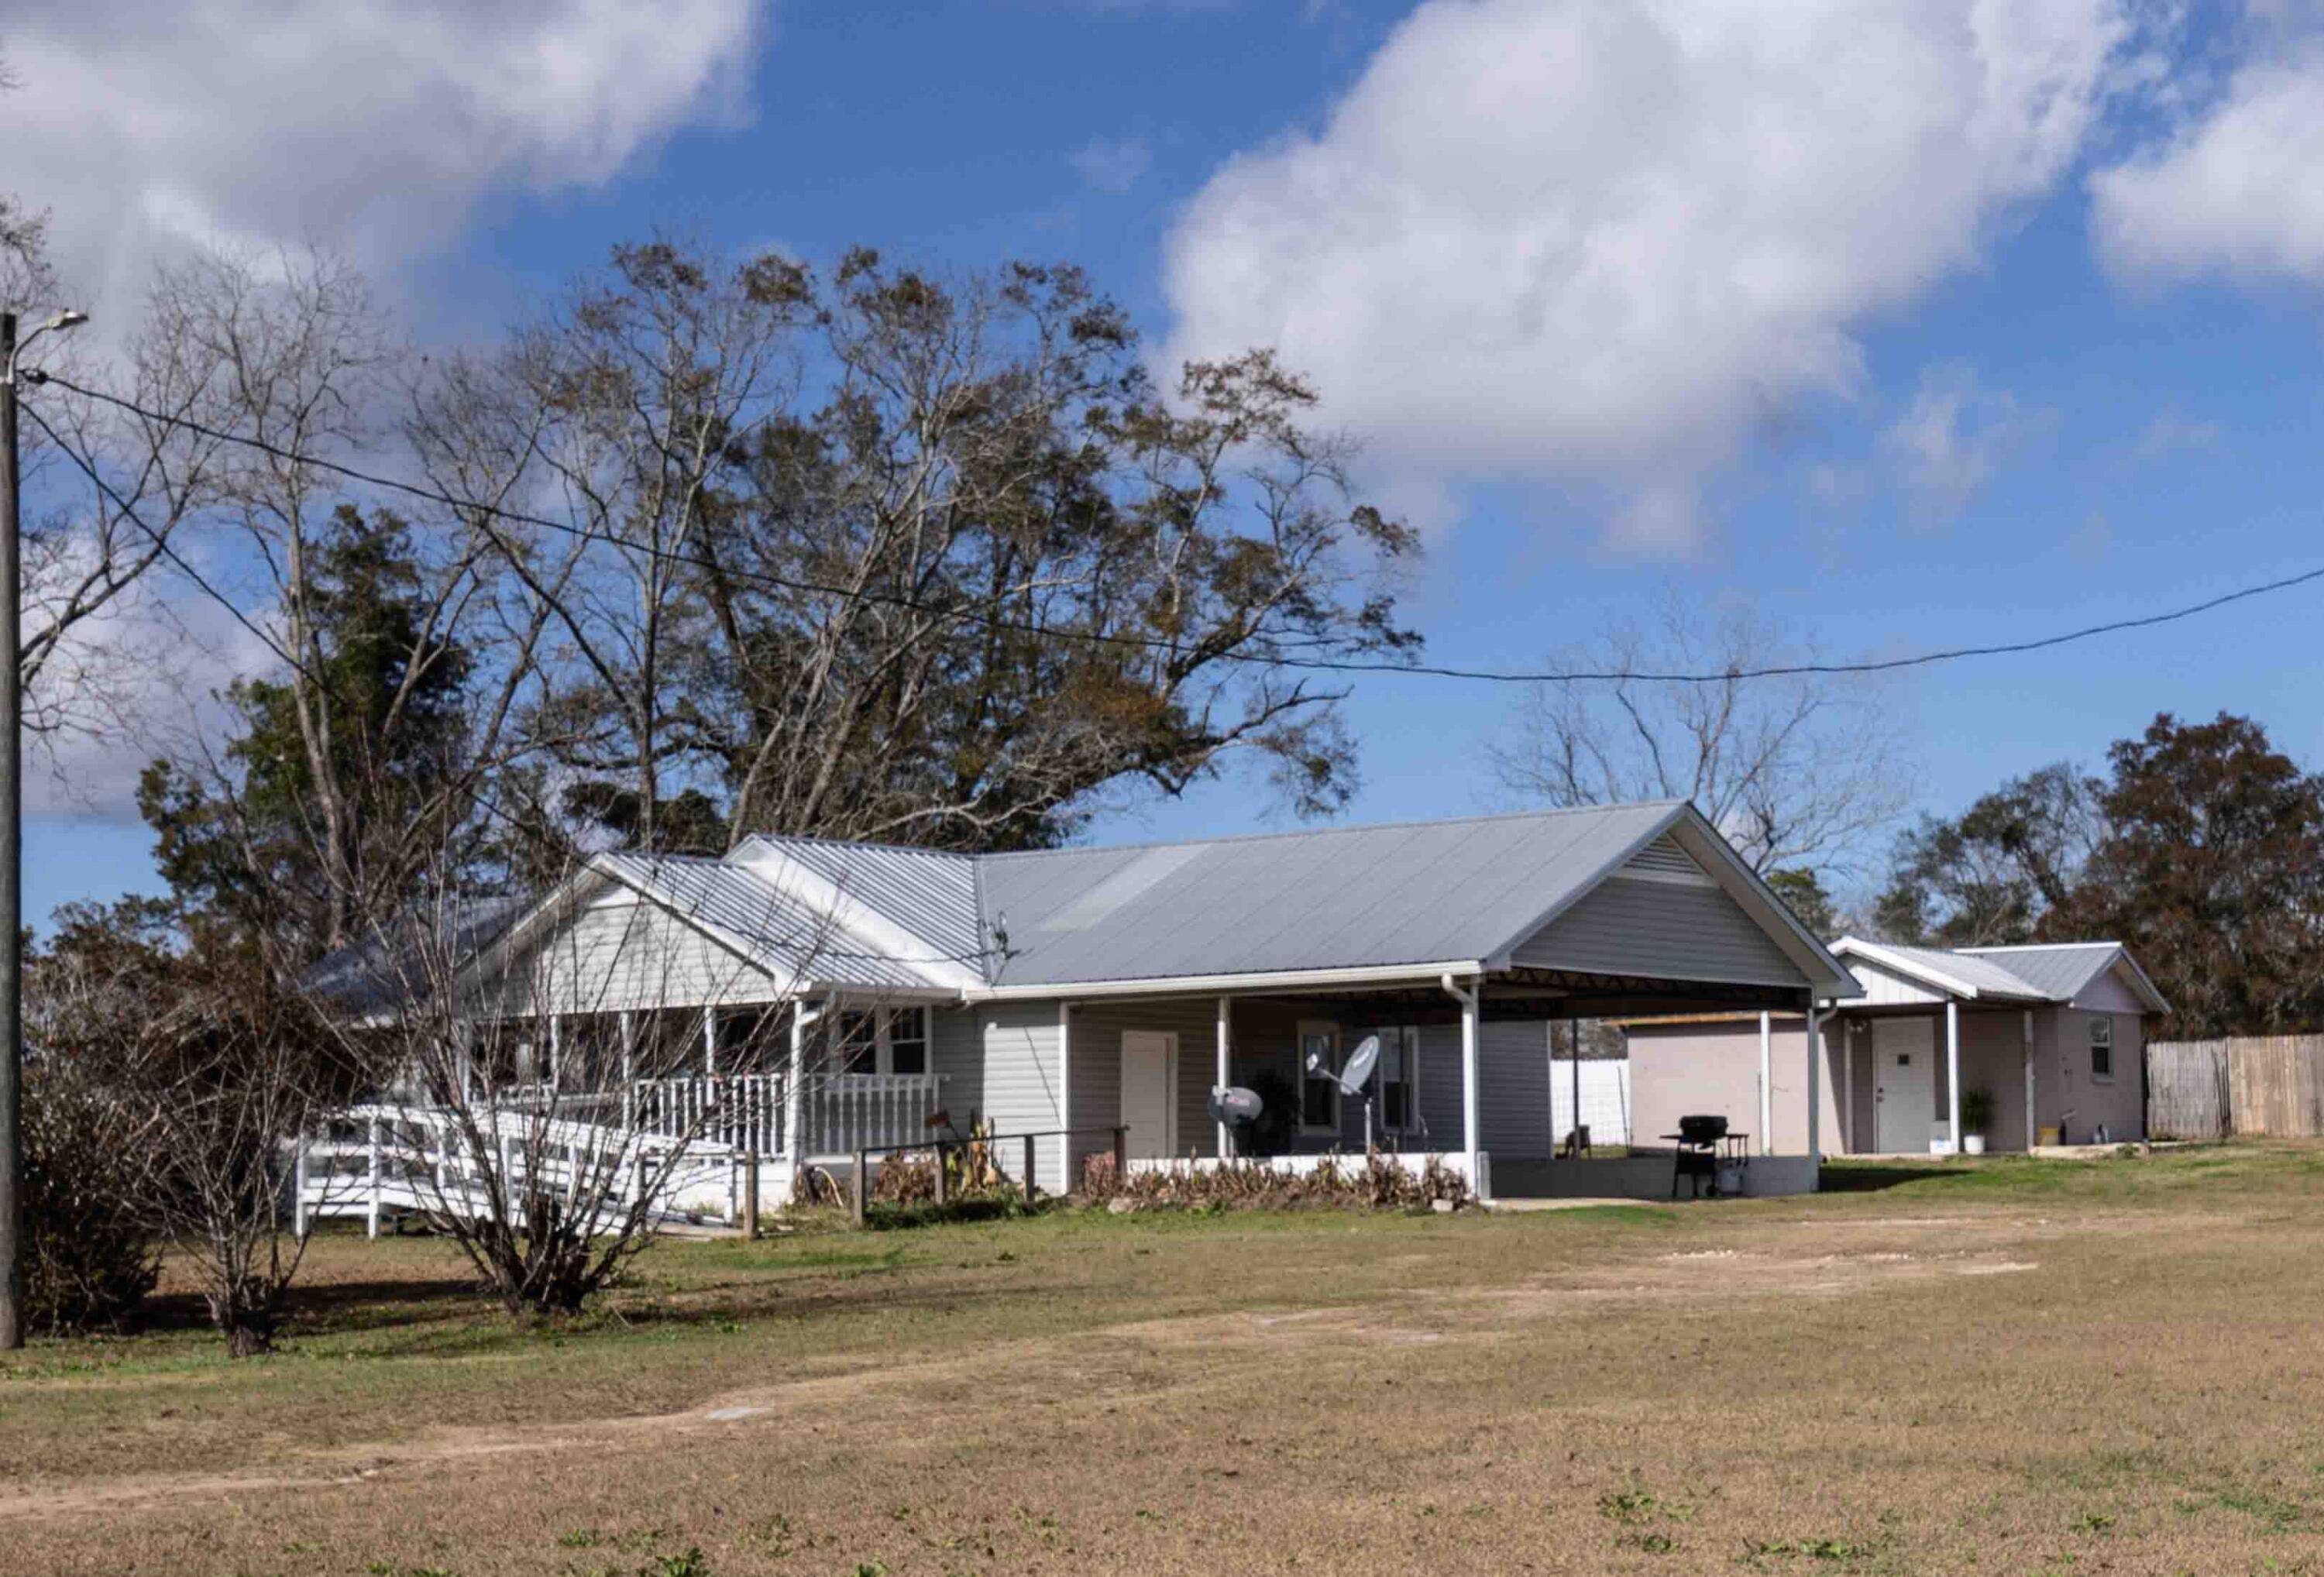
{"points": [[742, 1111], [851, 1112]]}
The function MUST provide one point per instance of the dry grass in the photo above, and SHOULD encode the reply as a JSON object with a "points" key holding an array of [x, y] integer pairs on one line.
{"points": [[2011, 1367]]}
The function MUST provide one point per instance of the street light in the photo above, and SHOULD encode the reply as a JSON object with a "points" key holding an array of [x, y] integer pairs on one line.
{"points": [[12, 840]]}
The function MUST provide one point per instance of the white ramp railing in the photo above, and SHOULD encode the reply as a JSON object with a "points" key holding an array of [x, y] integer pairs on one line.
{"points": [[378, 1161]]}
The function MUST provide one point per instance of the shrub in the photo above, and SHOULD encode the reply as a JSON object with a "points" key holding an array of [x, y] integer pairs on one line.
{"points": [[90, 1251], [1371, 1182]]}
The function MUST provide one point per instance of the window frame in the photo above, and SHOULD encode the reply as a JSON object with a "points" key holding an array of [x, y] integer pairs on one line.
{"points": [[2101, 1038], [1310, 1028], [883, 1041], [1407, 1046]]}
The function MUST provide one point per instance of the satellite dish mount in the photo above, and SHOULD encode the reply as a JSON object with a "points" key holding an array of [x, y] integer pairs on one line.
{"points": [[1354, 1077]]}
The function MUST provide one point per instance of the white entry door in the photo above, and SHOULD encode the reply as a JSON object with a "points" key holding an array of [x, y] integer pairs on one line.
{"points": [[1903, 1084], [1149, 1087]]}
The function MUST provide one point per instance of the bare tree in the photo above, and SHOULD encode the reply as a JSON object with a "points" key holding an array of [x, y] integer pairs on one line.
{"points": [[563, 1075], [886, 556], [1797, 771], [217, 1071]]}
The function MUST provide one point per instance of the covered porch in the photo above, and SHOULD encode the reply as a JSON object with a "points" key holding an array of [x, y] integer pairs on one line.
{"points": [[1469, 1071]]}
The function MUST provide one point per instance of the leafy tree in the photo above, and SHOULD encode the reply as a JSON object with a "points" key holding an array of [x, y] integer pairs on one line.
{"points": [[2212, 870], [1990, 876], [1802, 892], [320, 809]]}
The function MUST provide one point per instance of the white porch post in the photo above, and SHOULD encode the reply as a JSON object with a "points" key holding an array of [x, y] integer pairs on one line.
{"points": [[1468, 1000], [2026, 1052], [1815, 1086], [556, 1055], [1767, 1084], [1064, 1099], [1952, 1074], [1225, 1076], [709, 1043], [794, 1142]]}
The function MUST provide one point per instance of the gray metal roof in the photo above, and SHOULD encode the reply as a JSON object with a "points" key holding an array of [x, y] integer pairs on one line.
{"points": [[1336, 898], [2059, 972], [2062, 971], [929, 893], [1990, 979], [791, 941]]}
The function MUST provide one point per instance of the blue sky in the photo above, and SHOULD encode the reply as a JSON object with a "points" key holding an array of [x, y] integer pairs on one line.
{"points": [[2007, 371]]}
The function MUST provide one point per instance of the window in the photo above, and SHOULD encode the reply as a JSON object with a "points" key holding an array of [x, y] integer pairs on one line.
{"points": [[908, 1040], [2102, 1049], [893, 1040], [1399, 1079], [859, 1042], [1319, 1093]]}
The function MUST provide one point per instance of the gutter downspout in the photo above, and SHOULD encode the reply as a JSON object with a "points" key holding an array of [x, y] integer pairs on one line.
{"points": [[1472, 1161]]}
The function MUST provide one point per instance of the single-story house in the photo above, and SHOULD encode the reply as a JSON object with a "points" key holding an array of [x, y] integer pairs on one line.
{"points": [[854, 993], [2053, 1034]]}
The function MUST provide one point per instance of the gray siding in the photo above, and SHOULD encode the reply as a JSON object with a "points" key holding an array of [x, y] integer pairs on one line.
{"points": [[1665, 930], [956, 1051], [1440, 1086], [1513, 1089], [1098, 1030]]}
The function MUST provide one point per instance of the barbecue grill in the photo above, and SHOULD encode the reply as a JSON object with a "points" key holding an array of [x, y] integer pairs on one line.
{"points": [[1704, 1144]]}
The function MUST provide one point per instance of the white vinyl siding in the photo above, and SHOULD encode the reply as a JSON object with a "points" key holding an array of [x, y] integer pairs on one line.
{"points": [[621, 953], [1662, 930], [1017, 1045]]}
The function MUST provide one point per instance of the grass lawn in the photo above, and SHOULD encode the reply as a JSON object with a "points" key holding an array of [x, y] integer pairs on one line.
{"points": [[2000, 1366]]}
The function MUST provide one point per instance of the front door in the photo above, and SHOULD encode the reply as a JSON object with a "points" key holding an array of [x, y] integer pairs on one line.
{"points": [[1903, 1084], [1150, 1085]]}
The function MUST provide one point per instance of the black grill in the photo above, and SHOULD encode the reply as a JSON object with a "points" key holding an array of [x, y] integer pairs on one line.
{"points": [[1701, 1130]]}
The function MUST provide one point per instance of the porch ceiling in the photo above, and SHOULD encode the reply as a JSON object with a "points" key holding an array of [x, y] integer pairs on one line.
{"points": [[1523, 995]]}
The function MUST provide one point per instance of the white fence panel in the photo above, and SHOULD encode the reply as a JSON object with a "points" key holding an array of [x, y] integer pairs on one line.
{"points": [[1605, 1099]]}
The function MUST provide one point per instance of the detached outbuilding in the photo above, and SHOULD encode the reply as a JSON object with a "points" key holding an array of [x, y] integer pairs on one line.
{"points": [[2051, 1037]]}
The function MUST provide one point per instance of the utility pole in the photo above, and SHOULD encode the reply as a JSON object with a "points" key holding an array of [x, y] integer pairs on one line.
{"points": [[12, 843], [11, 893]]}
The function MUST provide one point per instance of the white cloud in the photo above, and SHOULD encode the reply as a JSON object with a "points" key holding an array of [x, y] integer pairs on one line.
{"points": [[2238, 191], [1113, 167], [1610, 238], [373, 126], [2173, 436], [1955, 437]]}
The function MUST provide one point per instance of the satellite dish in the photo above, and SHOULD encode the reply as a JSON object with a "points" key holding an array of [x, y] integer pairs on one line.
{"points": [[1235, 1105], [1360, 1062]]}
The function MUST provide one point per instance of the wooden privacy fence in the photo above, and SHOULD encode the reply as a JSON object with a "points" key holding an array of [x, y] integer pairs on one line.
{"points": [[2255, 1085]]}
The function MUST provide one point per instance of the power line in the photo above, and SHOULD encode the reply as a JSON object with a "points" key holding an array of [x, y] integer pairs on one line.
{"points": [[1314, 664]]}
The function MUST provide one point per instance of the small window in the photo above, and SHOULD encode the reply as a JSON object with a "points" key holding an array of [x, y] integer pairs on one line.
{"points": [[1398, 1078], [907, 1041], [1319, 1093], [859, 1043], [2102, 1049]]}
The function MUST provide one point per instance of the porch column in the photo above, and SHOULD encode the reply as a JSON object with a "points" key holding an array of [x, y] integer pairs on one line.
{"points": [[1468, 1000], [556, 1054], [2026, 1054], [1767, 1084], [1225, 1075], [1952, 1074], [794, 1144], [1815, 1086], [1065, 1100], [709, 1043]]}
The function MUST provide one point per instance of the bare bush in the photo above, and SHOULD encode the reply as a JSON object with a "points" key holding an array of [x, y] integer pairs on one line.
{"points": [[91, 1252], [1371, 1182]]}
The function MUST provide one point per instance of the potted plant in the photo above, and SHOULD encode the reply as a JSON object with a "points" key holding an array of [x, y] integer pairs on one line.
{"points": [[1977, 1116]]}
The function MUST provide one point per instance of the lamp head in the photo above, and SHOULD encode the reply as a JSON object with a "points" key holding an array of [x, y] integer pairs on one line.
{"points": [[70, 317]]}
